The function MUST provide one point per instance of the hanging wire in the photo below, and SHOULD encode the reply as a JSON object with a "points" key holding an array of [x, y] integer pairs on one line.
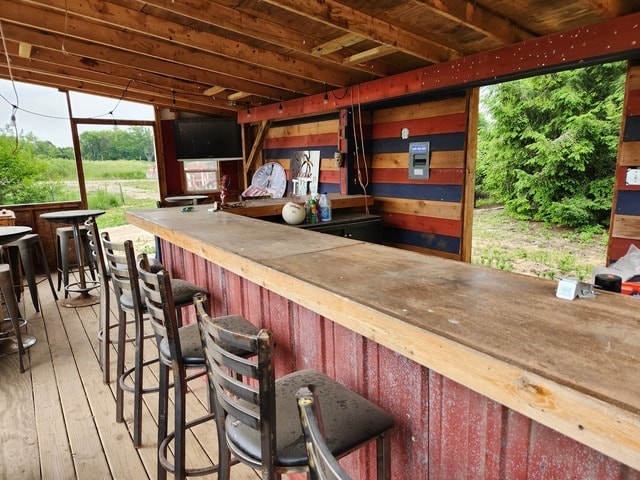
{"points": [[14, 107], [55, 117], [357, 148]]}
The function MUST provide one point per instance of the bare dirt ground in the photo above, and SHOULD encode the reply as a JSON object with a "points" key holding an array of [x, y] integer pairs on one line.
{"points": [[142, 240], [533, 248]]}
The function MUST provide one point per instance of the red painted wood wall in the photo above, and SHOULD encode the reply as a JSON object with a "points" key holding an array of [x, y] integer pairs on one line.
{"points": [[443, 431], [625, 217]]}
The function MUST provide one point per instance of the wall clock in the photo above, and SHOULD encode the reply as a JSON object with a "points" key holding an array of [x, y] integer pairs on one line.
{"points": [[270, 178]]}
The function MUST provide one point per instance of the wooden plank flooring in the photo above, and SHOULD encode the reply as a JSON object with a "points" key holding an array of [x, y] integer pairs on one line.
{"points": [[58, 418]]}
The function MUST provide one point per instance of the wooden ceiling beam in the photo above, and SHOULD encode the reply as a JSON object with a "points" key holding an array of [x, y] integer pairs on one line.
{"points": [[259, 28], [112, 16], [39, 64], [610, 8], [377, 52], [238, 96], [57, 81], [610, 40], [213, 91], [330, 12], [59, 60], [92, 54], [339, 43], [478, 18], [19, 12]]}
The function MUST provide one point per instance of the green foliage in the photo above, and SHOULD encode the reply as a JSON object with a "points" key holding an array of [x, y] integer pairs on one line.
{"points": [[548, 145], [102, 200], [133, 143], [20, 171], [115, 170]]}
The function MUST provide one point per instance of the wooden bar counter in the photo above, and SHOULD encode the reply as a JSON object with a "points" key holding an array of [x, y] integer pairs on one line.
{"points": [[487, 373]]}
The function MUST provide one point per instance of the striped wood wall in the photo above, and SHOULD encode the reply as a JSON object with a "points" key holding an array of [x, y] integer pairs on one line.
{"points": [[314, 133], [426, 215], [625, 216]]}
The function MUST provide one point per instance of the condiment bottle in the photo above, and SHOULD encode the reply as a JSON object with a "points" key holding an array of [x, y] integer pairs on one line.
{"points": [[313, 206]]}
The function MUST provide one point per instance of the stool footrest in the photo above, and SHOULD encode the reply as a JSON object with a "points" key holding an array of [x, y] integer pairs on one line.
{"points": [[127, 374], [164, 445]]}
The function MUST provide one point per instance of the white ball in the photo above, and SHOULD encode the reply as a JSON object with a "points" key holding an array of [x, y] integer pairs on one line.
{"points": [[293, 213]]}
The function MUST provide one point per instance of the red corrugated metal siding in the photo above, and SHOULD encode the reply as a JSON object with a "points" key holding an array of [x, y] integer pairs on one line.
{"points": [[443, 430]]}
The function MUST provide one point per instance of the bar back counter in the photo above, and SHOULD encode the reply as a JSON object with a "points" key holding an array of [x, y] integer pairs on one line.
{"points": [[487, 373]]}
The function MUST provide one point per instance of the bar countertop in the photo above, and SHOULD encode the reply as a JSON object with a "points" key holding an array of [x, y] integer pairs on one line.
{"points": [[569, 365]]}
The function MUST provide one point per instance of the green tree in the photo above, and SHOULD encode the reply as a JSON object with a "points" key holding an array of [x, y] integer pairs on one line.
{"points": [[20, 170], [133, 143], [548, 147]]}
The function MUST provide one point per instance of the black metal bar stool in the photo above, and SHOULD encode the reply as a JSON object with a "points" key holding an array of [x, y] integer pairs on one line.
{"points": [[121, 262], [11, 340], [256, 417], [322, 464], [180, 351], [104, 322], [28, 246], [64, 236]]}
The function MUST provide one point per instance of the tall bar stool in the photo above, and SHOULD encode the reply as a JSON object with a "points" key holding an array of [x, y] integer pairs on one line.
{"points": [[64, 236], [180, 351], [11, 339], [104, 324], [28, 246], [322, 464], [123, 272], [255, 416]]}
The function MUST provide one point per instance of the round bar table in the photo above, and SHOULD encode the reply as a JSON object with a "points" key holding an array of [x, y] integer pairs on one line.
{"points": [[9, 345], [83, 287], [186, 198]]}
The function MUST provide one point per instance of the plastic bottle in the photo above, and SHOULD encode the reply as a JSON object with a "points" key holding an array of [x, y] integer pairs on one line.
{"points": [[313, 209], [324, 208], [307, 210]]}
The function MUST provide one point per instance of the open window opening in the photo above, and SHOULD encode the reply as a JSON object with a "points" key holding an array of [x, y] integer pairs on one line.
{"points": [[546, 166]]}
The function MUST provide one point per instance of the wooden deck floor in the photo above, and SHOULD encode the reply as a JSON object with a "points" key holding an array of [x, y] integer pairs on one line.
{"points": [[58, 418]]}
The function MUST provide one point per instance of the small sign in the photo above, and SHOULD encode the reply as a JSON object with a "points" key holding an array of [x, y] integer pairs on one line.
{"points": [[567, 288]]}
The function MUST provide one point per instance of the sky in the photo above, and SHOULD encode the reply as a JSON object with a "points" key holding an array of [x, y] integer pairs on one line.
{"points": [[43, 111]]}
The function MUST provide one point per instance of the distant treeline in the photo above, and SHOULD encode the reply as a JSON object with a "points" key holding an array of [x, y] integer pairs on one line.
{"points": [[132, 143]]}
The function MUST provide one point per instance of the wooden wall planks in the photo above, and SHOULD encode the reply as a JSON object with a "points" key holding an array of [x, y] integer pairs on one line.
{"points": [[314, 133], [625, 213], [421, 215], [424, 215]]}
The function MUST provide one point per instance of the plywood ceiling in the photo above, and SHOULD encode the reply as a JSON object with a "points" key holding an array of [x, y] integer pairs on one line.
{"points": [[217, 57]]}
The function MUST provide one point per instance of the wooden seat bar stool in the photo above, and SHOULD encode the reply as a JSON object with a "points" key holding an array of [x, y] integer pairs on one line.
{"points": [[180, 351], [256, 418]]}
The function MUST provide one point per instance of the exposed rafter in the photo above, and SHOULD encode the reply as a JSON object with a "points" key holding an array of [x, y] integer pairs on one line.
{"points": [[218, 56], [259, 28], [479, 19], [348, 19]]}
